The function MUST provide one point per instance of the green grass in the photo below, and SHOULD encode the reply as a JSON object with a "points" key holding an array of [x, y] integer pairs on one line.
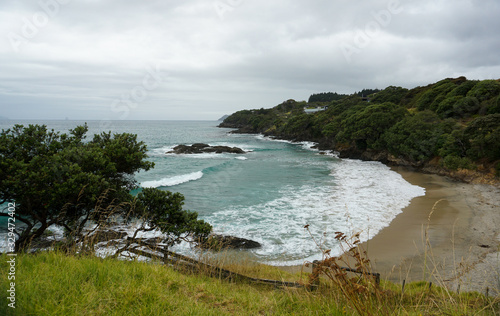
{"points": [[51, 283], [54, 284]]}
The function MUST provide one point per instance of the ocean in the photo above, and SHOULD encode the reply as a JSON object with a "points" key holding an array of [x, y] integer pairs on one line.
{"points": [[270, 193]]}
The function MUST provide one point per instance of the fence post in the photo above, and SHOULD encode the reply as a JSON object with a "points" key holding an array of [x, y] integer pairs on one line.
{"points": [[315, 275]]}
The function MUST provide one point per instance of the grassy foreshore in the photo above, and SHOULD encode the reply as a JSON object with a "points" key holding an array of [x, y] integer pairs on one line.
{"points": [[51, 283]]}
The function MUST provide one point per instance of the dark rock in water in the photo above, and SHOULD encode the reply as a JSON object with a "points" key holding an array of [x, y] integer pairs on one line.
{"points": [[219, 242], [200, 145], [200, 148]]}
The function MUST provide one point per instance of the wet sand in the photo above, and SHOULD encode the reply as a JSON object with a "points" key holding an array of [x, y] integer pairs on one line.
{"points": [[450, 236]]}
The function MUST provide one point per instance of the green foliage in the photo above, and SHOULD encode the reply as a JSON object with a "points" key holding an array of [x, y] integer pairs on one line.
{"points": [[458, 107], [443, 119], [494, 107], [338, 107], [485, 90], [416, 137], [462, 89], [365, 127], [453, 162], [446, 107], [366, 92], [56, 178], [325, 97], [390, 94], [466, 107], [289, 105], [454, 143], [431, 98], [163, 210], [483, 134], [297, 125], [60, 179]]}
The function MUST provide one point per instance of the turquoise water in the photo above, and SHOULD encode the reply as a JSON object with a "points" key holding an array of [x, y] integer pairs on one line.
{"points": [[270, 193]]}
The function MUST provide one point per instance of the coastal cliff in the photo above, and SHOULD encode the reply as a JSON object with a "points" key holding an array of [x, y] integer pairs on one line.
{"points": [[451, 127]]}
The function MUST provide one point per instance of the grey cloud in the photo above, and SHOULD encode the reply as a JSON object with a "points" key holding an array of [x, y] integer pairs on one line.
{"points": [[256, 54]]}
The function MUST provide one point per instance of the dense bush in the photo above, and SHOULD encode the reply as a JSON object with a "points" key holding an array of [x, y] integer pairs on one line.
{"points": [[416, 137], [364, 127], [462, 89], [66, 180], [325, 97], [453, 162], [431, 98], [454, 119], [390, 94], [483, 134], [446, 107], [485, 90]]}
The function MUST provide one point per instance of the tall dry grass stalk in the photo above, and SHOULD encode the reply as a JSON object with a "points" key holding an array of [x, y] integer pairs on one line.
{"points": [[352, 274]]}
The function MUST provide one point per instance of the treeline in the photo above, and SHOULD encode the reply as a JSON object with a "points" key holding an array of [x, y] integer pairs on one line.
{"points": [[334, 96], [326, 97], [451, 124]]}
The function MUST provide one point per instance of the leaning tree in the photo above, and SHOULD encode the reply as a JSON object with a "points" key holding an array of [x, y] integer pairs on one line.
{"points": [[65, 179]]}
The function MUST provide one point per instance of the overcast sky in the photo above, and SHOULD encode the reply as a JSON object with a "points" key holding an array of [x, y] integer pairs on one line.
{"points": [[201, 59]]}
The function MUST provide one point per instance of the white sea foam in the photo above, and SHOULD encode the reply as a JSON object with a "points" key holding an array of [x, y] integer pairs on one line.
{"points": [[309, 145], [174, 180], [305, 144], [161, 151], [362, 197], [262, 137]]}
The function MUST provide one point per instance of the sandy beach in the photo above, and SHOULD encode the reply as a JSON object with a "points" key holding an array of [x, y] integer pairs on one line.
{"points": [[450, 236]]}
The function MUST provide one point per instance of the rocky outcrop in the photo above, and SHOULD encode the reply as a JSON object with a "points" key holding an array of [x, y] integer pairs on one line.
{"points": [[219, 242], [200, 148]]}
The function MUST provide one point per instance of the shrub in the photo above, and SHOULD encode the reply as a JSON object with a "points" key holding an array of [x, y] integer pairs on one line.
{"points": [[466, 107], [462, 89], [416, 137], [485, 90], [446, 107], [453, 162]]}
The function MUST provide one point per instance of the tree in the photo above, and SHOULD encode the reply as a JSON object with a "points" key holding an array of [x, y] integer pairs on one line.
{"points": [[162, 211], [390, 94], [364, 127], [56, 178], [483, 134], [416, 137]]}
